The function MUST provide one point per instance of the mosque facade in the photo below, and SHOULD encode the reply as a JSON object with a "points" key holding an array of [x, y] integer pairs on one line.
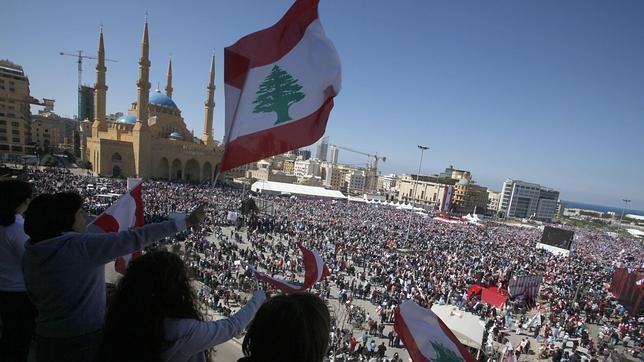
{"points": [[152, 139]]}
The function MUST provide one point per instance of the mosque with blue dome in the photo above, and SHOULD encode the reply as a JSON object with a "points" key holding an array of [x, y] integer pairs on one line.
{"points": [[151, 140]]}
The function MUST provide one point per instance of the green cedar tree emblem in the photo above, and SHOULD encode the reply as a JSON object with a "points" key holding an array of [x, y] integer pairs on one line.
{"points": [[445, 354], [277, 93]]}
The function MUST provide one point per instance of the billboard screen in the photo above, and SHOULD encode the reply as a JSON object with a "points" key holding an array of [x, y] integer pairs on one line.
{"points": [[556, 237]]}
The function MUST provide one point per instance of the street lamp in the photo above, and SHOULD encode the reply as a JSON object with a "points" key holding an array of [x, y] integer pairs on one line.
{"points": [[626, 201], [413, 194]]}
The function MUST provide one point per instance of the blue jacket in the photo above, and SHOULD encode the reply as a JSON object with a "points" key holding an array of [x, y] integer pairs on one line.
{"points": [[65, 275]]}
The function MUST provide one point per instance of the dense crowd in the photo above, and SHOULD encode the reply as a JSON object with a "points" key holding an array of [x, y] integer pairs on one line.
{"points": [[373, 257]]}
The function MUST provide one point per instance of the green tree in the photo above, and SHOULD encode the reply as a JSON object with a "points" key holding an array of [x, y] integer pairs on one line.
{"points": [[277, 93]]}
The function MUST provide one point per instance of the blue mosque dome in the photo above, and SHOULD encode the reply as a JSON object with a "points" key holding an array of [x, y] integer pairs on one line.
{"points": [[160, 99], [175, 134], [127, 119]]}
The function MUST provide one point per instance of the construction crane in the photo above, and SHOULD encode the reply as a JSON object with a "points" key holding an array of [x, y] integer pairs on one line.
{"points": [[79, 60], [376, 158]]}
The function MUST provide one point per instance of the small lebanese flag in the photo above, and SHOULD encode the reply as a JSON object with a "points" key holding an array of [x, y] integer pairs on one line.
{"points": [[279, 83], [125, 213], [425, 335], [314, 271]]}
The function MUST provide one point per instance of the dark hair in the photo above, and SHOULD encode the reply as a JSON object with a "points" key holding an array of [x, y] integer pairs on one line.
{"points": [[155, 287], [49, 215], [289, 328], [14, 193]]}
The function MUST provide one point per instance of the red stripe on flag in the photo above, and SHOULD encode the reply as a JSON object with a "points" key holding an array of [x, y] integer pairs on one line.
{"points": [[277, 140], [310, 266], [138, 199], [236, 67], [405, 335], [107, 223], [271, 44]]}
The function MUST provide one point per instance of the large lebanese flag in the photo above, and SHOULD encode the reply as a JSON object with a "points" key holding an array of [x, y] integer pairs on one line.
{"points": [[279, 85], [125, 213], [425, 335]]}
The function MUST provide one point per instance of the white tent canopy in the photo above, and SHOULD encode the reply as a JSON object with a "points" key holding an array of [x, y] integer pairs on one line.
{"points": [[293, 189], [467, 327]]}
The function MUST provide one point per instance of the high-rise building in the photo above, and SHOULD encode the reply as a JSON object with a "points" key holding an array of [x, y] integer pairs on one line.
{"points": [[306, 154], [86, 103], [15, 115], [335, 152], [322, 149], [525, 200]]}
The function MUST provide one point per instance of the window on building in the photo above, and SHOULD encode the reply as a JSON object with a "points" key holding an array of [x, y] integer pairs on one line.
{"points": [[16, 140], [15, 131]]}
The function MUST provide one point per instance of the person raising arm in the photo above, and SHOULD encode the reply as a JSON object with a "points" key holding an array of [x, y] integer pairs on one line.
{"points": [[64, 270]]}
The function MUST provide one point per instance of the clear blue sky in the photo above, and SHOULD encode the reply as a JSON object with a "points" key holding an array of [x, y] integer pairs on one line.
{"points": [[546, 91]]}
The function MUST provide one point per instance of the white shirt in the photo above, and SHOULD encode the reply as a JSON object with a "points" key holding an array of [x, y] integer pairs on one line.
{"points": [[12, 248], [190, 337]]}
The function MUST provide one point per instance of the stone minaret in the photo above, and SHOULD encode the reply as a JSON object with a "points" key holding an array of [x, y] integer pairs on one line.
{"points": [[210, 107], [168, 87], [100, 88], [143, 84], [140, 132]]}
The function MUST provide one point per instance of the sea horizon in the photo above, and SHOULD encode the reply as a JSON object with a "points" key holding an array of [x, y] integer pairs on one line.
{"points": [[600, 208]]}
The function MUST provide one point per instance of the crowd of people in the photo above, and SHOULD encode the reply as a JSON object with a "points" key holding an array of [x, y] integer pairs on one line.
{"points": [[375, 256]]}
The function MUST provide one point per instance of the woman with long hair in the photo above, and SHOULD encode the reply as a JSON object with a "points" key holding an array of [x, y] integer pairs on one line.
{"points": [[289, 328], [16, 311], [154, 316], [64, 270]]}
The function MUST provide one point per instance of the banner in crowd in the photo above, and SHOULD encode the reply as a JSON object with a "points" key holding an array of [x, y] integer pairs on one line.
{"points": [[628, 288], [279, 87], [493, 297], [125, 213], [315, 270], [525, 287], [425, 335]]}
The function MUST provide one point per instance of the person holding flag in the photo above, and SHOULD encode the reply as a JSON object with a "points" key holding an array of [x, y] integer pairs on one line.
{"points": [[64, 270]]}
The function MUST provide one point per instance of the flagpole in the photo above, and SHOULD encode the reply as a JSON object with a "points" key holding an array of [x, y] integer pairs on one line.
{"points": [[413, 196], [232, 122]]}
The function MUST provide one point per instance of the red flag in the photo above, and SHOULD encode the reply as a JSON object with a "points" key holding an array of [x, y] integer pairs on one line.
{"points": [[125, 213], [314, 271]]}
